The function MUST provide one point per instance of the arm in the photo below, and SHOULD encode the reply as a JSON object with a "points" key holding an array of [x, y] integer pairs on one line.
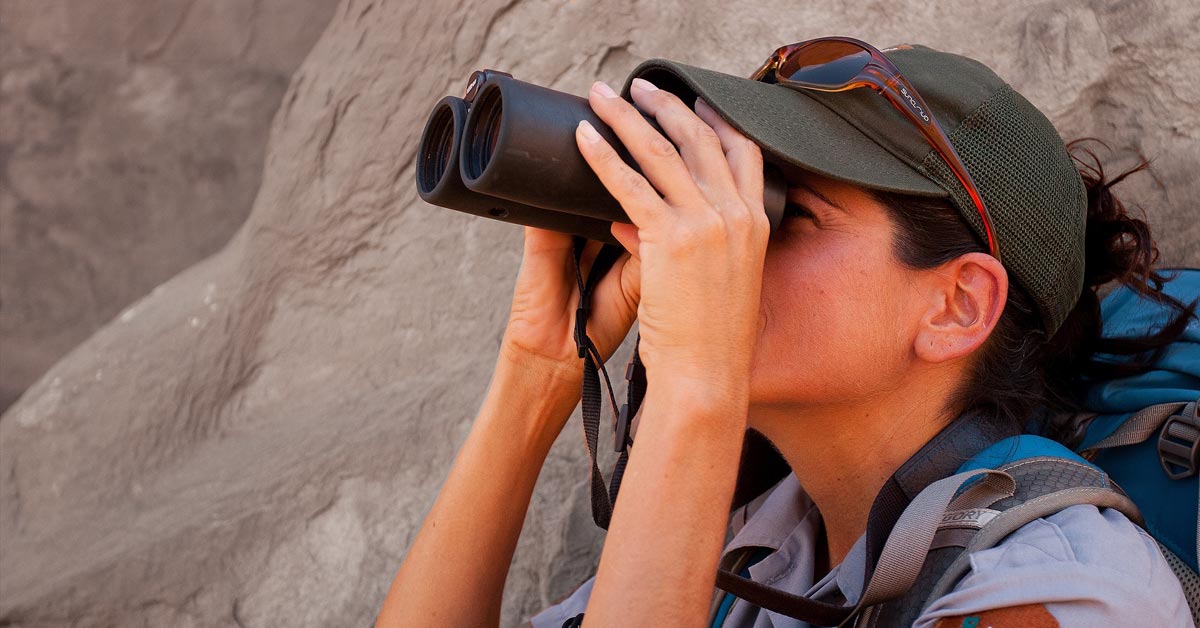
{"points": [[672, 514], [701, 274], [700, 235], [454, 572]]}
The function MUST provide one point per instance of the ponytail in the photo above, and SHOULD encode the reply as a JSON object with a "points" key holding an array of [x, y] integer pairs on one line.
{"points": [[1119, 248]]}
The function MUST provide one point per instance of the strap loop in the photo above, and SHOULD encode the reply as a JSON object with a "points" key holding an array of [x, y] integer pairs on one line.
{"points": [[581, 339], [593, 401]]}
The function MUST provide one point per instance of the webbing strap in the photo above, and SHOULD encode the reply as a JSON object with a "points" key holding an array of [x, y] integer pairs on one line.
{"points": [[593, 368], [963, 438], [902, 557], [909, 543], [1142, 425], [1010, 520]]}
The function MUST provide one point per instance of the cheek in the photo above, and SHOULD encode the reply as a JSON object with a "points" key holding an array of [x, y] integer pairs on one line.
{"points": [[828, 287], [830, 322]]}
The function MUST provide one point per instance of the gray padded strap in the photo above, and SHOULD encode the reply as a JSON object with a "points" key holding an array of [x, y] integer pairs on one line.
{"points": [[1013, 518], [1143, 425], [908, 544]]}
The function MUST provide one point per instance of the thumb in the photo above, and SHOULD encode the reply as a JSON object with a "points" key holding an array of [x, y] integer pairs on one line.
{"points": [[546, 265], [627, 235]]}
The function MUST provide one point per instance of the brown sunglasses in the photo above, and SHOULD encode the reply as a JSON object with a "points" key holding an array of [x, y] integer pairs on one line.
{"points": [[838, 64]]}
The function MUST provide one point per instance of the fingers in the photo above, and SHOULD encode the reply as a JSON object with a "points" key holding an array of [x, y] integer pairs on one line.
{"points": [[550, 255], [724, 168], [660, 163], [715, 166], [636, 196], [622, 285], [743, 156], [545, 242], [699, 145], [627, 235], [546, 261]]}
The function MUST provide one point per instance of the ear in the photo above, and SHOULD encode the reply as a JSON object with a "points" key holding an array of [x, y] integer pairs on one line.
{"points": [[967, 295]]}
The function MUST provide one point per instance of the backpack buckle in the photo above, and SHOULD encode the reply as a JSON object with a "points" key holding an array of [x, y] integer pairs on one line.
{"points": [[1179, 445], [581, 337]]}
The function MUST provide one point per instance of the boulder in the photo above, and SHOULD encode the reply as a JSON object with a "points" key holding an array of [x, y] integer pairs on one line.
{"points": [[132, 137]]}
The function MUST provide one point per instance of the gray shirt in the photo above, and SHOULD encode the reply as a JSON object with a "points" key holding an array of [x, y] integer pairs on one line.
{"points": [[1088, 567]]}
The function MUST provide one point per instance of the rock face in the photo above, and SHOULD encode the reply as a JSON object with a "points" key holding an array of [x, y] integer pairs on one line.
{"points": [[256, 442], [132, 137]]}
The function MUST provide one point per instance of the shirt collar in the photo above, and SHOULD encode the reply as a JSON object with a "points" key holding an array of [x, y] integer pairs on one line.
{"points": [[771, 518], [785, 520]]}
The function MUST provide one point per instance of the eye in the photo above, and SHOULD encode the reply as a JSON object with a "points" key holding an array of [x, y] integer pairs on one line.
{"points": [[795, 210]]}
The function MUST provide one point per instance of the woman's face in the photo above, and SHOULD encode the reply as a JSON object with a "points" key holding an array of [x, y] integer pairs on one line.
{"points": [[839, 310]]}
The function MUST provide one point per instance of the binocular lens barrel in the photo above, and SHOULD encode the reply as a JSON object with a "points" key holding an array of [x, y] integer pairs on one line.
{"points": [[511, 155], [439, 181], [485, 133], [437, 147]]}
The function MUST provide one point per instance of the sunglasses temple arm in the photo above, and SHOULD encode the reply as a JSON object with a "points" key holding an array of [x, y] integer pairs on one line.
{"points": [[770, 64], [913, 106]]}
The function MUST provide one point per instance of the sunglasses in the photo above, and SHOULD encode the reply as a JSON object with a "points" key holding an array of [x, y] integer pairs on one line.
{"points": [[838, 64]]}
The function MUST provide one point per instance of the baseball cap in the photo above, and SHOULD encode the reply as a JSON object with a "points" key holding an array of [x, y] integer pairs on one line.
{"points": [[1017, 159]]}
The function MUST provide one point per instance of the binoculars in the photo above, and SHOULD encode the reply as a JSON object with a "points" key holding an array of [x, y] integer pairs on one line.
{"points": [[506, 150]]}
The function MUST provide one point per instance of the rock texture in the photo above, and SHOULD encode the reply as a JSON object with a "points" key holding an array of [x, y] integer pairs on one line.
{"points": [[256, 441], [132, 137]]}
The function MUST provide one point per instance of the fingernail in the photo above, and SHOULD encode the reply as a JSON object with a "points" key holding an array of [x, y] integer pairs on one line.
{"points": [[603, 89], [589, 132], [644, 85], [700, 104]]}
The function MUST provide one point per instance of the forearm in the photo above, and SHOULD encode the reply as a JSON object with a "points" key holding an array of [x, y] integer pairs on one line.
{"points": [[454, 573], [660, 558]]}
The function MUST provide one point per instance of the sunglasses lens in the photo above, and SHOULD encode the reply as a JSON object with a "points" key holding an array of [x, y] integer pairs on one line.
{"points": [[825, 63]]}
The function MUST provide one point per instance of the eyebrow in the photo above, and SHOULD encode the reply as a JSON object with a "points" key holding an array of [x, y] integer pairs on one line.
{"points": [[828, 201]]}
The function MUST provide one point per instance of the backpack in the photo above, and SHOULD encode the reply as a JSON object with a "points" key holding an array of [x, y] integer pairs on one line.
{"points": [[1137, 452]]}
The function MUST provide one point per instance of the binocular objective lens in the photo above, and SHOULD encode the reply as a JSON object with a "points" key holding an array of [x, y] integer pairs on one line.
{"points": [[436, 150], [484, 133]]}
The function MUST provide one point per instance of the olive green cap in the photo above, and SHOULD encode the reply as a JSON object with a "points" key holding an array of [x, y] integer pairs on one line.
{"points": [[1027, 179]]}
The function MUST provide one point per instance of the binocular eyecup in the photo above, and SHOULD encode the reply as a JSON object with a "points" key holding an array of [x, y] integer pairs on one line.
{"points": [[507, 152]]}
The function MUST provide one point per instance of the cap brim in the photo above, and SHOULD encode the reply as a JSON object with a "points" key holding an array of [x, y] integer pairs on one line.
{"points": [[792, 128]]}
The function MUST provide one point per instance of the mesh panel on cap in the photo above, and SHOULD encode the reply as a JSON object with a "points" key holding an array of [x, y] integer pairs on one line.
{"points": [[1033, 193]]}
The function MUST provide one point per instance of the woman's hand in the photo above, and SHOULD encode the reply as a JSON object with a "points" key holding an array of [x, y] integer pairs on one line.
{"points": [[701, 245], [539, 339]]}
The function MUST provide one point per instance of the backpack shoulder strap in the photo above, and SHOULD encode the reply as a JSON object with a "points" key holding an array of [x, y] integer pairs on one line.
{"points": [[1014, 518], [1049, 477]]}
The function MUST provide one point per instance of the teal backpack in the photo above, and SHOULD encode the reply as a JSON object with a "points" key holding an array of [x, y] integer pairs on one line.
{"points": [[1150, 420]]}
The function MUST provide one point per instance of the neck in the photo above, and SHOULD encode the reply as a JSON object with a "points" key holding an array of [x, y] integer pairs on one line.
{"points": [[842, 454]]}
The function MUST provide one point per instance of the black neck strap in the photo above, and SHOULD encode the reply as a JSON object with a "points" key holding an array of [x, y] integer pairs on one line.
{"points": [[593, 368]]}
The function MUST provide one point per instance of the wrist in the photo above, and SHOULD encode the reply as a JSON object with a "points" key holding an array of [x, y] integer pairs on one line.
{"points": [[550, 375], [538, 392], [701, 393]]}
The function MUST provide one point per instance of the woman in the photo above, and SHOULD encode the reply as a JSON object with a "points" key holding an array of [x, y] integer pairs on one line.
{"points": [[876, 315]]}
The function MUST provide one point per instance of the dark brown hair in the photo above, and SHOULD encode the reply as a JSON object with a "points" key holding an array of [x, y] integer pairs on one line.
{"points": [[1020, 373]]}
